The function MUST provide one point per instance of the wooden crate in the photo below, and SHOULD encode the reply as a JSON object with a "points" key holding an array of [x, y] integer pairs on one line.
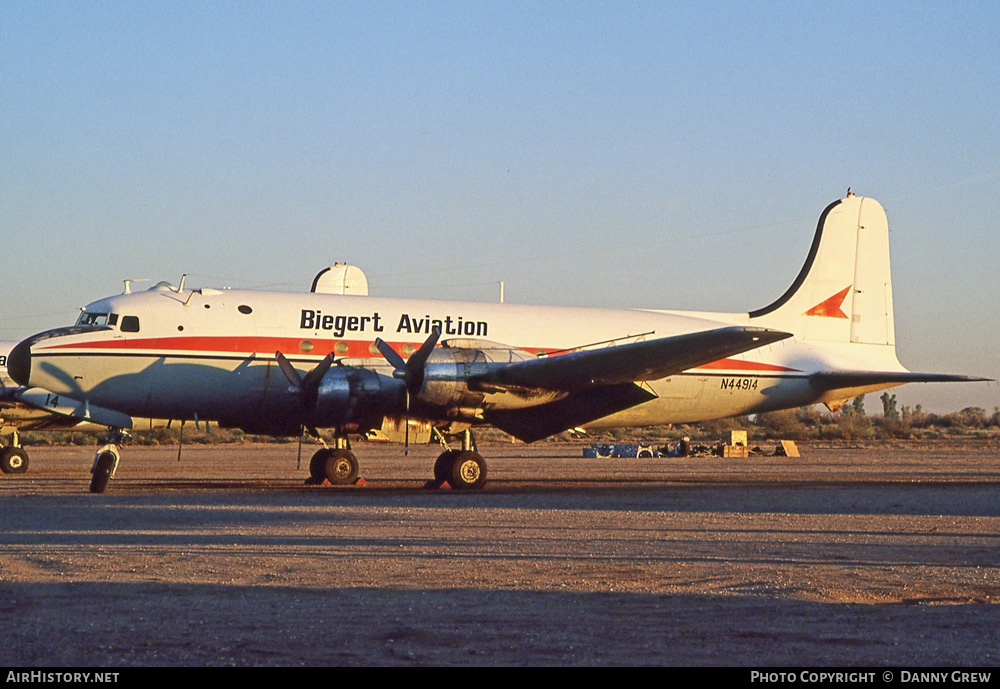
{"points": [[735, 438], [735, 451]]}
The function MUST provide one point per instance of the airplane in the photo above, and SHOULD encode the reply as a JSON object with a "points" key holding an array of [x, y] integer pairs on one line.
{"points": [[277, 363]]}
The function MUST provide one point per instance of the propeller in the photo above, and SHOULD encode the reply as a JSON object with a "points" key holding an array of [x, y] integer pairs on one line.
{"points": [[307, 388], [411, 372]]}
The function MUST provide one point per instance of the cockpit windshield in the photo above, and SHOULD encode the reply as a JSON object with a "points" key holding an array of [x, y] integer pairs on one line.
{"points": [[88, 318]]}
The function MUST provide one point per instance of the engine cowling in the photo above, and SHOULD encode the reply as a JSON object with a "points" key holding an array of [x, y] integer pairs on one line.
{"points": [[451, 373], [348, 398], [356, 399]]}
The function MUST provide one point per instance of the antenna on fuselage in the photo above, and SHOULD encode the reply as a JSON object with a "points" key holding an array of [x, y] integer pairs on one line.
{"points": [[180, 288], [128, 284]]}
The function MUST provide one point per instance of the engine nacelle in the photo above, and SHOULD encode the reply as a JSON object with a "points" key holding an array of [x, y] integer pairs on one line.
{"points": [[451, 367], [356, 399], [348, 398]]}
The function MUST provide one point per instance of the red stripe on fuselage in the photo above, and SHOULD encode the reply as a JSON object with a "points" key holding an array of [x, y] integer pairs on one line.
{"points": [[293, 346], [290, 346]]}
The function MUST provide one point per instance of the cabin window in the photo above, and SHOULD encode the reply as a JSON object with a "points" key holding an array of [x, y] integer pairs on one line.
{"points": [[113, 319], [130, 324], [243, 308]]}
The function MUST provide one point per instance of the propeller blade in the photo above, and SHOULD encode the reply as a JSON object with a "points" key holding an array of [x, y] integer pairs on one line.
{"points": [[411, 372], [308, 387], [312, 379], [415, 364], [406, 437], [392, 357], [290, 373], [310, 384]]}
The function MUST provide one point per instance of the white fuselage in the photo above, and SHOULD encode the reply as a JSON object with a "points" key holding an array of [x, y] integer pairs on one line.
{"points": [[210, 354]]}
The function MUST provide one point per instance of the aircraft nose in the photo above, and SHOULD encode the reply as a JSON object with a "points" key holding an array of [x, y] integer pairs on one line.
{"points": [[19, 362]]}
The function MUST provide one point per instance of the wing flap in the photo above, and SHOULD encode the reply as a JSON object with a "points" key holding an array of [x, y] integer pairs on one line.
{"points": [[627, 363]]}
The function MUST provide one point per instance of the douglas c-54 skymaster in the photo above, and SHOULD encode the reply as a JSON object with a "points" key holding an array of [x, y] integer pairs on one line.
{"points": [[274, 363]]}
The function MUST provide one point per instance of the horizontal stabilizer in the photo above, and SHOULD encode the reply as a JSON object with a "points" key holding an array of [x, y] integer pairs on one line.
{"points": [[852, 379], [637, 361], [539, 422]]}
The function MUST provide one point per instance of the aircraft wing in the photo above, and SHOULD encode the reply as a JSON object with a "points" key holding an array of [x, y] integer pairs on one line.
{"points": [[601, 382], [627, 363], [71, 409]]}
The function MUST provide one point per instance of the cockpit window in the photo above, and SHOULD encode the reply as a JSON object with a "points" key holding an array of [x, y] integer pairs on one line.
{"points": [[130, 324], [88, 318]]}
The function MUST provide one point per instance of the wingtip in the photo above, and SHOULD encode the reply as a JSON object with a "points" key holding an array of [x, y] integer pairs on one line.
{"points": [[767, 335]]}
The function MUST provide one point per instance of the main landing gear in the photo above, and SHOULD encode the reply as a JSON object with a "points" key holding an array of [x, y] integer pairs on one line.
{"points": [[13, 458], [106, 459], [463, 469], [338, 465], [460, 469]]}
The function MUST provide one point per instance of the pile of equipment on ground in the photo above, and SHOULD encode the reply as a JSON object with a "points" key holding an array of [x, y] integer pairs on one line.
{"points": [[732, 444]]}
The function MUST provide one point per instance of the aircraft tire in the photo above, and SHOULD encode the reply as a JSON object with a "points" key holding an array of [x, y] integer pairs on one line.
{"points": [[443, 465], [468, 472], [102, 472], [317, 465], [341, 468], [645, 454], [13, 460]]}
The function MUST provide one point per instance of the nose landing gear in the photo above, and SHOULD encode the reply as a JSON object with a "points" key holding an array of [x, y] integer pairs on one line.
{"points": [[106, 459]]}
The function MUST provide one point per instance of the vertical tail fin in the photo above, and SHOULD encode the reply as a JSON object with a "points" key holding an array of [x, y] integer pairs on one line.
{"points": [[843, 292]]}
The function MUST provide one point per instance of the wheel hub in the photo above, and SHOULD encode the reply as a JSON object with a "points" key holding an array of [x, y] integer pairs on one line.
{"points": [[342, 468], [469, 471]]}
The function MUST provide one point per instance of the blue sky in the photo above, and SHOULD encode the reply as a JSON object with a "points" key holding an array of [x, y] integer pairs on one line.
{"points": [[666, 155]]}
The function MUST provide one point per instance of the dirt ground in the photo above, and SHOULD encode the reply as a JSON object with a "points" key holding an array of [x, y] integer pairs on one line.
{"points": [[873, 556]]}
